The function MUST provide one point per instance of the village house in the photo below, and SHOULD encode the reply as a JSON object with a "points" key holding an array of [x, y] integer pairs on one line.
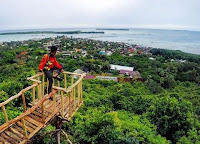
{"points": [[118, 67], [89, 77], [108, 53], [106, 78]]}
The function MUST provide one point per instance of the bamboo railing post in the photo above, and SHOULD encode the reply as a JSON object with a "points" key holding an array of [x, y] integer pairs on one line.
{"points": [[65, 80], [42, 107], [47, 85], [59, 86], [5, 114], [62, 104], [70, 111], [79, 93], [43, 84], [39, 86], [24, 126], [72, 80], [74, 98], [53, 79], [24, 102], [33, 94], [39, 92], [54, 101]]}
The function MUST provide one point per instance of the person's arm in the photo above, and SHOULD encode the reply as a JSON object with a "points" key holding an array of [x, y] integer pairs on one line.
{"points": [[57, 65], [43, 62]]}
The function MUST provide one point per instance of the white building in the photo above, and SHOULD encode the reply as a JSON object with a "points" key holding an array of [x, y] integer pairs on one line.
{"points": [[118, 67], [106, 78]]}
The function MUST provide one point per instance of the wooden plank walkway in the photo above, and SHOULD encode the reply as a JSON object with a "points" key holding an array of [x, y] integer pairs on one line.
{"points": [[35, 122], [61, 102]]}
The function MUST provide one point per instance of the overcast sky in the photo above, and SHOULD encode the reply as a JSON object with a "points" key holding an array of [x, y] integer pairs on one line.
{"points": [[29, 14]]}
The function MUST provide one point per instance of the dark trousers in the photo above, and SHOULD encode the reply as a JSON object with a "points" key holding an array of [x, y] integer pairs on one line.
{"points": [[49, 75]]}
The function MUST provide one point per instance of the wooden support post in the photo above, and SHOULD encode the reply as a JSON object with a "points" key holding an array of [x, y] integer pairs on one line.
{"points": [[58, 128], [38, 78], [42, 107], [79, 94], [59, 86], [81, 91], [54, 101], [74, 99], [5, 114], [47, 85], [72, 80], [24, 102], [33, 94], [53, 79], [24, 127], [70, 110], [43, 85], [62, 104], [65, 80], [39, 92]]}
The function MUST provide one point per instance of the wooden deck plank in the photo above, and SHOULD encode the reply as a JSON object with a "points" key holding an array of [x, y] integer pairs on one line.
{"points": [[46, 111], [8, 139], [3, 141], [19, 129], [39, 112], [35, 117], [51, 106], [16, 132], [27, 127], [33, 121], [67, 107], [36, 123], [29, 124], [35, 131], [13, 136]]}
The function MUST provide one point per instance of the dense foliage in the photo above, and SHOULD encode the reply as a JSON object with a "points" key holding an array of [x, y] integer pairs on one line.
{"points": [[164, 108]]}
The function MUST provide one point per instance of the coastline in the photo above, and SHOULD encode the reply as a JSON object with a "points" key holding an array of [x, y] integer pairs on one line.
{"points": [[185, 41], [143, 48]]}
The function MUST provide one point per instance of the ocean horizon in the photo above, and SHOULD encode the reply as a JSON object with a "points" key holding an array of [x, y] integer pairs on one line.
{"points": [[184, 40]]}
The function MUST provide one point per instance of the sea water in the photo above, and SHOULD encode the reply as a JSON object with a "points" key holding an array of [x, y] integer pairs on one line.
{"points": [[186, 41]]}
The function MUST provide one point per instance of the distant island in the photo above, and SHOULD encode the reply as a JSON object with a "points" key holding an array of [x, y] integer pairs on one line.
{"points": [[52, 32], [113, 29]]}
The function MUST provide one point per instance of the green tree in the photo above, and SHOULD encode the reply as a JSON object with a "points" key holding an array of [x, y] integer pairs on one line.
{"points": [[173, 118]]}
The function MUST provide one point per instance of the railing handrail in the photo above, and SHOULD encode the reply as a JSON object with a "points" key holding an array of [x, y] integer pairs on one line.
{"points": [[62, 89], [17, 95], [5, 125], [77, 82], [37, 83], [34, 76], [71, 73]]}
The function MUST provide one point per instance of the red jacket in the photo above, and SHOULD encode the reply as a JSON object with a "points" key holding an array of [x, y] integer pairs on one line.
{"points": [[49, 62]]}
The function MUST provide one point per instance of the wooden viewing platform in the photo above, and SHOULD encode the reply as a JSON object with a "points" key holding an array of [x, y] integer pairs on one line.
{"points": [[64, 100]]}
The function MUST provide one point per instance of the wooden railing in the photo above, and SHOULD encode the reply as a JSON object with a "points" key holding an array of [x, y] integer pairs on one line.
{"points": [[70, 87], [69, 91]]}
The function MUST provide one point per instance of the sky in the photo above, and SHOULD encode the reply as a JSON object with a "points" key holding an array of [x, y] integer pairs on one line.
{"points": [[161, 14]]}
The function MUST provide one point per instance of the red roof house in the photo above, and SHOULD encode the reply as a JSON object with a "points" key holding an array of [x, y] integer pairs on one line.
{"points": [[89, 77]]}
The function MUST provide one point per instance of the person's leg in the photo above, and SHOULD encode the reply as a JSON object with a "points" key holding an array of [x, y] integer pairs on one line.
{"points": [[49, 77], [58, 70], [56, 76]]}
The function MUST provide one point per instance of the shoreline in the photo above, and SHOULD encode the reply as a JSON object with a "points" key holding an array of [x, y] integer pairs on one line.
{"points": [[27, 36], [107, 41], [52, 32]]}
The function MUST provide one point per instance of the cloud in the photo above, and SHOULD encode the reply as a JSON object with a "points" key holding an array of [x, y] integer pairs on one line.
{"points": [[101, 13]]}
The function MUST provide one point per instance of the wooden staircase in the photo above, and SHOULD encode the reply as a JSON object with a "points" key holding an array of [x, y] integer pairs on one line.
{"points": [[62, 102]]}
